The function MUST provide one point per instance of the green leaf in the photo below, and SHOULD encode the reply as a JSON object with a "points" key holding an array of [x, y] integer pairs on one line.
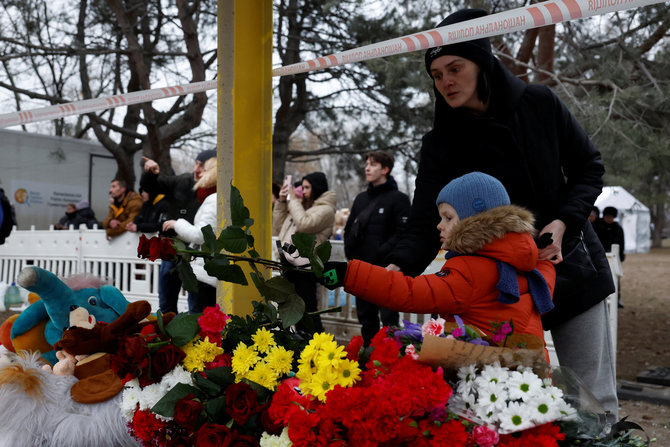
{"points": [[207, 386], [159, 322], [188, 279], [178, 244], [291, 310], [250, 240], [165, 406], [304, 243], [323, 251], [229, 273], [216, 409], [183, 328], [317, 266], [253, 253], [223, 375], [248, 222], [278, 289], [210, 239], [239, 214], [232, 239]]}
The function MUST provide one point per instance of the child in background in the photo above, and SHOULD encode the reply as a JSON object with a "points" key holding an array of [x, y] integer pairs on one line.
{"points": [[491, 275]]}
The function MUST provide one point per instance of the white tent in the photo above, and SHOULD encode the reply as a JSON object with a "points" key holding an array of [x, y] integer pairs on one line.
{"points": [[633, 217]]}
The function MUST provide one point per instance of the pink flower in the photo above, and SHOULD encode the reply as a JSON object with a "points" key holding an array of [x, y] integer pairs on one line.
{"points": [[458, 332], [410, 350], [212, 319], [433, 327], [505, 329], [497, 338], [484, 436]]}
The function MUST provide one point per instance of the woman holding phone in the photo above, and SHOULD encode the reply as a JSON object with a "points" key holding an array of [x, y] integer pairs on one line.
{"points": [[313, 213]]}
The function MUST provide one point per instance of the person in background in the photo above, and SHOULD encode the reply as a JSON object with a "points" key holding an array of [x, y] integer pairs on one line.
{"points": [[152, 215], [610, 232], [85, 215], [124, 205], [69, 217], [314, 213], [275, 193], [378, 215], [594, 216], [191, 233], [7, 217], [182, 204], [488, 120]]}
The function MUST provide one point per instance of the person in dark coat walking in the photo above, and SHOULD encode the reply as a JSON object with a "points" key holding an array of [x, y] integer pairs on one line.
{"points": [[379, 214], [610, 232], [488, 120], [182, 203]]}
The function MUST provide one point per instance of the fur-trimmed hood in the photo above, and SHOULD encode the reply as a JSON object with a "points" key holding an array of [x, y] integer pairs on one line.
{"points": [[485, 234]]}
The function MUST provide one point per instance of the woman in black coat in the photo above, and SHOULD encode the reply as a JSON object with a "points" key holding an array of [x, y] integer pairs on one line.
{"points": [[488, 120]]}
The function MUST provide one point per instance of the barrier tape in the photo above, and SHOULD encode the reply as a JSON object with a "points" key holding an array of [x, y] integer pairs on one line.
{"points": [[102, 103], [519, 19]]}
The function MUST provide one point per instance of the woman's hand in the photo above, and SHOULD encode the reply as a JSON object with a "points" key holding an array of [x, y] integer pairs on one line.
{"points": [[552, 252], [169, 224], [284, 191]]}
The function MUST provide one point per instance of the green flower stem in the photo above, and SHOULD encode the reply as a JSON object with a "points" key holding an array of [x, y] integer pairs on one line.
{"points": [[326, 311], [261, 261]]}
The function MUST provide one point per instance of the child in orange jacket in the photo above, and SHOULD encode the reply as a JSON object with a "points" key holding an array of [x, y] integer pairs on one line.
{"points": [[491, 275]]}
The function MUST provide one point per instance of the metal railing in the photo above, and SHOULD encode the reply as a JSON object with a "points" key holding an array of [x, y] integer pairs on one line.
{"points": [[68, 252]]}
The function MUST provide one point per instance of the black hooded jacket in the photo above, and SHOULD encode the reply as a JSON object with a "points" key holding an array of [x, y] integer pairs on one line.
{"points": [[529, 141], [372, 241]]}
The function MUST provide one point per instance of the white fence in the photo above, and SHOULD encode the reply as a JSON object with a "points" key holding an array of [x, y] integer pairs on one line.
{"points": [[68, 252]]}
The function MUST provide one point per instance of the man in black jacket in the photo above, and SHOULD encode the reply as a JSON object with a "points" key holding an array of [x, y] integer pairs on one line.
{"points": [[377, 216], [182, 203]]}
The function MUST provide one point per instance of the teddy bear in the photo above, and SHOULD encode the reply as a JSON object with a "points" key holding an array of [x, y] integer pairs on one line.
{"points": [[43, 322]]}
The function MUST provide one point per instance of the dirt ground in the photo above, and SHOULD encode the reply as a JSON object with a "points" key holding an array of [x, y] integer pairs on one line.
{"points": [[643, 340]]}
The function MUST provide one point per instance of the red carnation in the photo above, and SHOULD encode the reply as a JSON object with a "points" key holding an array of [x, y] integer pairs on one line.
{"points": [[354, 347]]}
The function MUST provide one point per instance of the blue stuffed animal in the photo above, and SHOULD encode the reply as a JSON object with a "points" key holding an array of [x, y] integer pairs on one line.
{"points": [[57, 300]]}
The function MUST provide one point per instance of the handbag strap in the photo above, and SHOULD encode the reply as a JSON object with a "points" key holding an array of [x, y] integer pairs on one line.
{"points": [[364, 217]]}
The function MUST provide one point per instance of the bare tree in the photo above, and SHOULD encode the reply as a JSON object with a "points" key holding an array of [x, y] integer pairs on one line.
{"points": [[109, 48]]}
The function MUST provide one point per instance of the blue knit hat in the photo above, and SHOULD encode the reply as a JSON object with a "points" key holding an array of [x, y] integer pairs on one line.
{"points": [[473, 193]]}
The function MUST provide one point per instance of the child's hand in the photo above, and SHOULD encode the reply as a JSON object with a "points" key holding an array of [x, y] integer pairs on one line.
{"points": [[333, 275]]}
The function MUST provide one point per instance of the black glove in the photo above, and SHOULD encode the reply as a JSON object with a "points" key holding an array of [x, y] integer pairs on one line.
{"points": [[333, 275]]}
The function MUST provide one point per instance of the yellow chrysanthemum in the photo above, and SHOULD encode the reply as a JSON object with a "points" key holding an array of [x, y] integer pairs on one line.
{"points": [[264, 375], [200, 352], [280, 360], [348, 373], [322, 382], [264, 340], [307, 361], [319, 339], [331, 354], [244, 358]]}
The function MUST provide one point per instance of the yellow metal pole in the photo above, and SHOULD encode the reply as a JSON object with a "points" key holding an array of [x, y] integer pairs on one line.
{"points": [[244, 127]]}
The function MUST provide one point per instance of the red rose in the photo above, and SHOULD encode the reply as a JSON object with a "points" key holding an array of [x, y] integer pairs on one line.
{"points": [[215, 435], [164, 359], [143, 247], [131, 356], [154, 248], [241, 402], [187, 410], [167, 249]]}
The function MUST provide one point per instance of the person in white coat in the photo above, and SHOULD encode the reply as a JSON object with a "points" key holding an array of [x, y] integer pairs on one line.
{"points": [[191, 232]]}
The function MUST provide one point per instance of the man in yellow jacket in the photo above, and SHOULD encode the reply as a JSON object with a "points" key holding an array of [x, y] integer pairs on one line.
{"points": [[124, 206]]}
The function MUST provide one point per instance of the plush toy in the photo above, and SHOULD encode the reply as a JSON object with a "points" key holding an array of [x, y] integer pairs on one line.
{"points": [[37, 410], [42, 323]]}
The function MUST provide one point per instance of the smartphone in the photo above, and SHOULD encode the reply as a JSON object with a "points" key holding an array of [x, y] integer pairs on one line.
{"points": [[288, 181]]}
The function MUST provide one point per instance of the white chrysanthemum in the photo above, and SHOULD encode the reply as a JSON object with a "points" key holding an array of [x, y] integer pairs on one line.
{"points": [[566, 411], [491, 399], [177, 375], [492, 373], [268, 440], [129, 400], [524, 385], [466, 382], [543, 409], [515, 417], [553, 391], [150, 395]]}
